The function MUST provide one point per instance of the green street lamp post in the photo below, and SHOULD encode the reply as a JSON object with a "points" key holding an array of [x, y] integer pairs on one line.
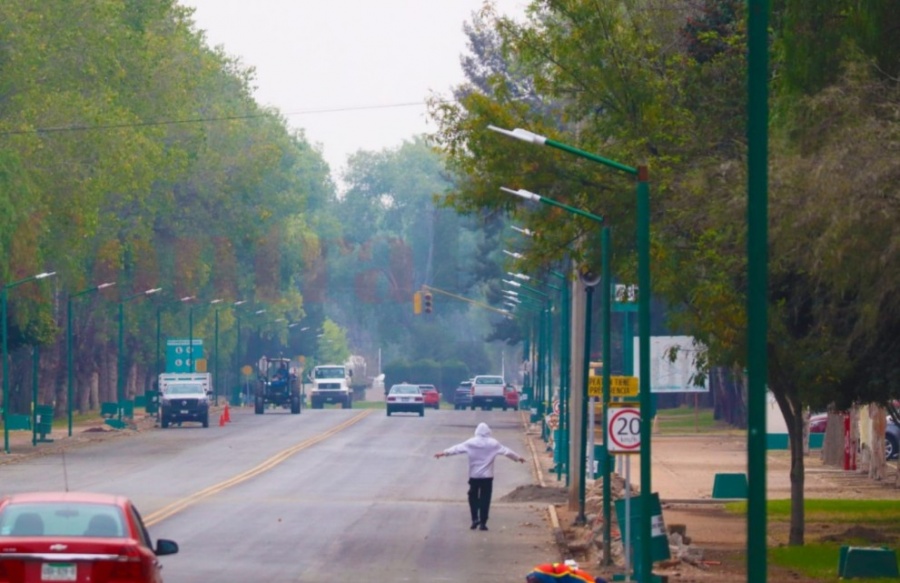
{"points": [[70, 392], [3, 313], [216, 364], [642, 177], [757, 282], [237, 345], [564, 360], [120, 376], [582, 454]]}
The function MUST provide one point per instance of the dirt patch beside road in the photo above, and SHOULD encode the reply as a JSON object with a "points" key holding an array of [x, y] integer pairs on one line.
{"points": [[684, 469]]}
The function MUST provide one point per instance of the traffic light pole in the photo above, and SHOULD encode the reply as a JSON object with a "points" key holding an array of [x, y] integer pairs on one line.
{"points": [[429, 289]]}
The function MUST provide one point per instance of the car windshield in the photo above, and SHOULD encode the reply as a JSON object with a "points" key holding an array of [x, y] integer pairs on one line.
{"points": [[489, 380], [184, 389], [427, 388], [62, 519], [404, 390], [330, 372]]}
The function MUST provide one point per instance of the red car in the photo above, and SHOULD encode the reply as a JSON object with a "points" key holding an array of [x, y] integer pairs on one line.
{"points": [[77, 536], [512, 397], [432, 396]]}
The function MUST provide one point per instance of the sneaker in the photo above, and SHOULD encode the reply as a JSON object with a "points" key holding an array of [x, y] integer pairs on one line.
{"points": [[474, 525], [482, 527]]}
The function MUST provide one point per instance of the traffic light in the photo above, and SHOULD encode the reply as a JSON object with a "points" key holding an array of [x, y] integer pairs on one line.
{"points": [[427, 298], [417, 303]]}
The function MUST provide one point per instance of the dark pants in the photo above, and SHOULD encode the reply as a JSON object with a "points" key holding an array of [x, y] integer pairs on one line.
{"points": [[480, 498]]}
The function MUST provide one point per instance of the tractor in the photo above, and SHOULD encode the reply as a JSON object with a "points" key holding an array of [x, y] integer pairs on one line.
{"points": [[277, 385]]}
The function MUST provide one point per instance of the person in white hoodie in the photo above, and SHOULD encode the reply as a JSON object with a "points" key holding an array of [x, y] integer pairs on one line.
{"points": [[482, 451]]}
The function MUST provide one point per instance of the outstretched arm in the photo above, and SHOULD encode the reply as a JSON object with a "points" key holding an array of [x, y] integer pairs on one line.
{"points": [[454, 450], [512, 455]]}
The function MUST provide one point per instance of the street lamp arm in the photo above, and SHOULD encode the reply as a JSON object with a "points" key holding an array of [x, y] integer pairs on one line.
{"points": [[527, 195], [520, 134], [533, 138], [532, 196], [521, 276]]}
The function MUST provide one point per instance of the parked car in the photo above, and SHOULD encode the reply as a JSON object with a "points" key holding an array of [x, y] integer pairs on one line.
{"points": [[512, 397], [432, 396], [77, 536], [462, 398], [405, 399], [818, 422], [891, 440]]}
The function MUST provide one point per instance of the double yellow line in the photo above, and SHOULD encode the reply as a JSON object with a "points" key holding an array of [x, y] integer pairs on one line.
{"points": [[176, 507]]}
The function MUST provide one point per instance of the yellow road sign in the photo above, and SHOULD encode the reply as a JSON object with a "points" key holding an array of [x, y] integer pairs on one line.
{"points": [[619, 386]]}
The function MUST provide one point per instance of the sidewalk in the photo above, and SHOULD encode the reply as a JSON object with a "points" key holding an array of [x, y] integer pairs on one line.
{"points": [[84, 432]]}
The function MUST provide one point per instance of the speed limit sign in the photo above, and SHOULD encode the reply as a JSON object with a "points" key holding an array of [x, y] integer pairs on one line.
{"points": [[623, 429]]}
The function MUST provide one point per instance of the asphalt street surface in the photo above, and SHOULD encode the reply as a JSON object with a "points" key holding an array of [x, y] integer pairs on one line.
{"points": [[322, 496]]}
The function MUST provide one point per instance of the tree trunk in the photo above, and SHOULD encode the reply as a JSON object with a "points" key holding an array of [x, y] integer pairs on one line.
{"points": [[792, 411], [878, 465], [833, 443], [798, 480], [94, 390]]}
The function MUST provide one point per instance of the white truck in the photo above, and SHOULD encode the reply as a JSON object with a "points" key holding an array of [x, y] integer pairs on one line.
{"points": [[487, 391], [184, 397], [331, 383]]}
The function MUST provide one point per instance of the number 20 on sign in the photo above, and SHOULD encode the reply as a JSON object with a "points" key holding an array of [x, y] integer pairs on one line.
{"points": [[623, 429]]}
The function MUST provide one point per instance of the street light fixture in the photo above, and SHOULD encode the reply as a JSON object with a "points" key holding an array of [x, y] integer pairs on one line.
{"points": [[521, 276], [120, 376], [69, 369], [526, 232], [514, 255], [3, 310]]}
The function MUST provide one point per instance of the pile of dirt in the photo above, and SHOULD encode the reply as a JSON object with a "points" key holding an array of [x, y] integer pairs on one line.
{"points": [[857, 532], [535, 493]]}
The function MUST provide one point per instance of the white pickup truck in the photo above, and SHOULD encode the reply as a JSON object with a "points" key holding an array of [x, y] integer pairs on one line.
{"points": [[184, 397], [331, 384], [487, 392]]}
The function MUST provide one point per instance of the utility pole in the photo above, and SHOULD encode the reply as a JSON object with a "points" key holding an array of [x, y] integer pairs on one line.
{"points": [[577, 389]]}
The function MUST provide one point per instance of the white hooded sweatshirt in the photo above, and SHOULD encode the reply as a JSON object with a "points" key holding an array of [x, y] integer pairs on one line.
{"points": [[482, 450]]}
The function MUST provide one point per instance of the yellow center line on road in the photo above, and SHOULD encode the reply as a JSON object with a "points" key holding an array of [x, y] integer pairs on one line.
{"points": [[176, 507]]}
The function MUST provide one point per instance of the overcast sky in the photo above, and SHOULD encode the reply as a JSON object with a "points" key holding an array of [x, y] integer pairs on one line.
{"points": [[346, 70]]}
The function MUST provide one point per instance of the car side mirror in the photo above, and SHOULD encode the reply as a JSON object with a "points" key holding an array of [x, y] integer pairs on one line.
{"points": [[165, 547]]}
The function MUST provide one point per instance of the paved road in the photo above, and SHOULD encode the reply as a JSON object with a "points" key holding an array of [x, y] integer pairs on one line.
{"points": [[322, 496]]}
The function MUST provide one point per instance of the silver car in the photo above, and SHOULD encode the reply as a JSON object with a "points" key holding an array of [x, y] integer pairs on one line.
{"points": [[406, 399]]}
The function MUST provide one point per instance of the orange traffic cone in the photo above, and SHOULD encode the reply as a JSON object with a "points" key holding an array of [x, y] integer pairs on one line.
{"points": [[221, 420], [227, 414]]}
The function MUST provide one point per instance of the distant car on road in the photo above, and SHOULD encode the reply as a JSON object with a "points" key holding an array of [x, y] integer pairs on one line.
{"points": [[462, 398], [512, 397], [818, 422], [432, 396], [77, 536], [405, 399], [488, 392]]}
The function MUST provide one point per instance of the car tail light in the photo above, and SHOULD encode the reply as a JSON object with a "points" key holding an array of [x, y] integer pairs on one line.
{"points": [[419, 398], [392, 399], [128, 567]]}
